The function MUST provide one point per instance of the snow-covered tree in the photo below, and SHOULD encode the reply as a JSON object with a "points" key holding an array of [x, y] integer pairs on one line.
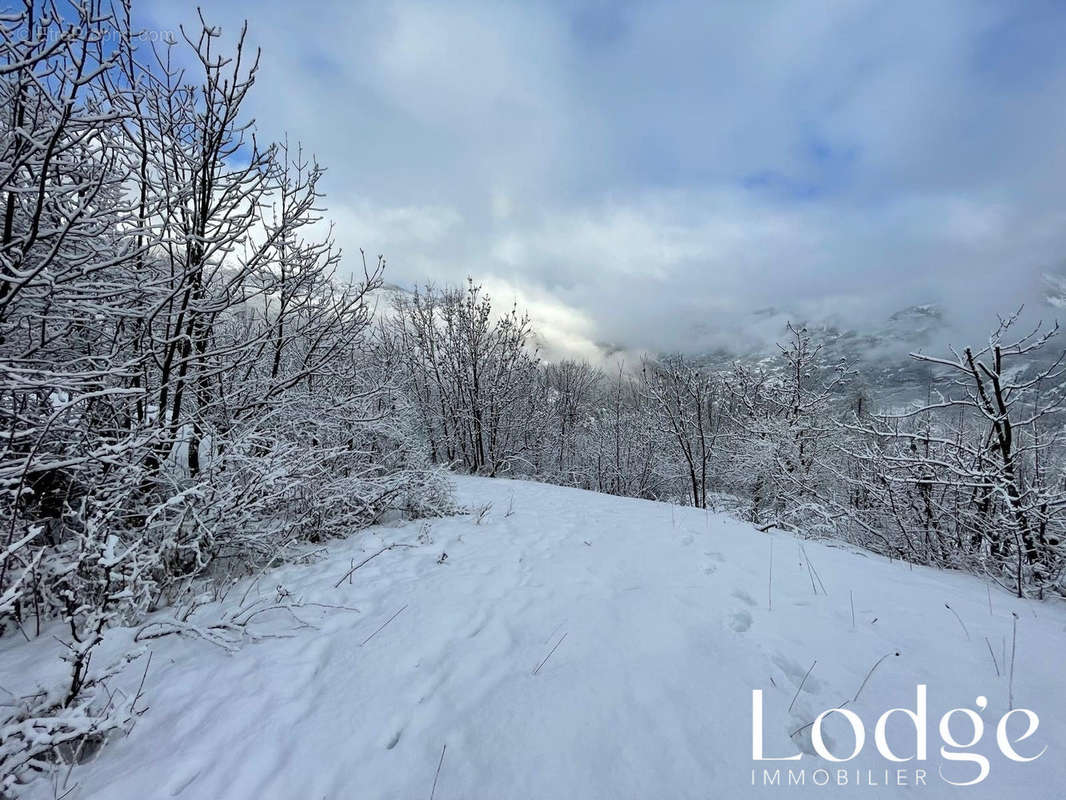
{"points": [[183, 377], [472, 375]]}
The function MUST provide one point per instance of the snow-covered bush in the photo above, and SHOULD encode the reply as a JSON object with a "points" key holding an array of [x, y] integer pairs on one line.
{"points": [[471, 376], [186, 385], [974, 478]]}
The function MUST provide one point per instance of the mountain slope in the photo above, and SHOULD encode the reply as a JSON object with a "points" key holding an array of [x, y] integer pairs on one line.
{"points": [[656, 624]]}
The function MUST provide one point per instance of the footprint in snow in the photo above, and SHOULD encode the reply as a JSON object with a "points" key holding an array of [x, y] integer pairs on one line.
{"points": [[687, 539], [743, 596], [740, 621], [796, 672]]}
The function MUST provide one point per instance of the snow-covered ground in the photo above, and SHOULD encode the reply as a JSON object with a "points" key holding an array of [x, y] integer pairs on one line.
{"points": [[659, 625]]}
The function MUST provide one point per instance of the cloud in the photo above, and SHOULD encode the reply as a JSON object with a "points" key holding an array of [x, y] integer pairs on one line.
{"points": [[650, 175]]}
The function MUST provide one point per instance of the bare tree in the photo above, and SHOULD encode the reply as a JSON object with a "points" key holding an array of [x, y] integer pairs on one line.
{"points": [[472, 375], [685, 399], [976, 472]]}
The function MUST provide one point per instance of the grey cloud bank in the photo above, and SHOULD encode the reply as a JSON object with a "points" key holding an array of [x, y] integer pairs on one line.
{"points": [[650, 175]]}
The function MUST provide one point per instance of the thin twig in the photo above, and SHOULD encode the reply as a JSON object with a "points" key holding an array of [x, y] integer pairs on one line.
{"points": [[383, 624], [871, 672], [810, 573], [804, 727], [994, 663], [800, 687], [140, 686], [813, 572], [818, 576], [542, 663], [433, 791], [369, 558], [963, 624]]}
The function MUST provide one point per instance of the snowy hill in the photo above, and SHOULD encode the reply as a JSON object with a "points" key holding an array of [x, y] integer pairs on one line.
{"points": [[576, 645]]}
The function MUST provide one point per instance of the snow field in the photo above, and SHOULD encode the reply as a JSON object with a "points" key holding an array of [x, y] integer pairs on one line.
{"points": [[576, 645]]}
